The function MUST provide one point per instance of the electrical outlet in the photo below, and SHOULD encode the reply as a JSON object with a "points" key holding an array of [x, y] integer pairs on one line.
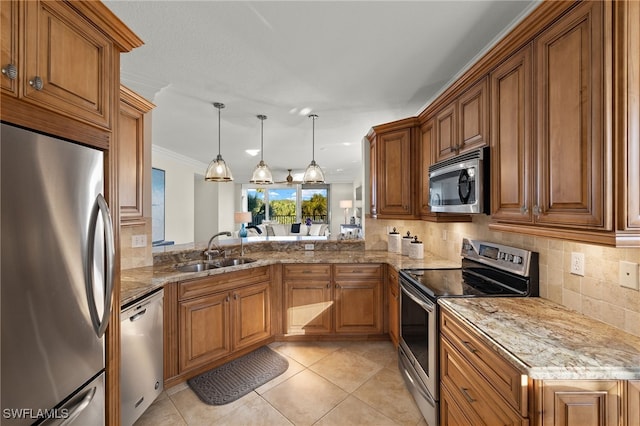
{"points": [[629, 274], [577, 263], [309, 247], [138, 241]]}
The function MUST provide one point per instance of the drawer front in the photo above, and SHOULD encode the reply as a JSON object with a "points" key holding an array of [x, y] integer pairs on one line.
{"points": [[222, 282], [504, 378], [475, 396], [349, 271], [307, 271]]}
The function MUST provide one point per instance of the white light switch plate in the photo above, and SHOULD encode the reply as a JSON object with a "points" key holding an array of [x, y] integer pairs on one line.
{"points": [[138, 241], [309, 246], [629, 274], [577, 263]]}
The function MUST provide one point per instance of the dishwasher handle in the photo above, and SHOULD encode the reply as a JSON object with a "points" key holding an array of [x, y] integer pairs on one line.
{"points": [[137, 316]]}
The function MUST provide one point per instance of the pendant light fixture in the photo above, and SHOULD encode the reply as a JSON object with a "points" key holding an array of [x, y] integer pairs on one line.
{"points": [[314, 173], [262, 174], [218, 171]]}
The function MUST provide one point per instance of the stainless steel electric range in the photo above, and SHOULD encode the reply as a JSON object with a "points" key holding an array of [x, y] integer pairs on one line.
{"points": [[488, 270]]}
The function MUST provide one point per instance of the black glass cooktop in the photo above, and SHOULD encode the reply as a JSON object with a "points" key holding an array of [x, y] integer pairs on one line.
{"points": [[471, 280]]}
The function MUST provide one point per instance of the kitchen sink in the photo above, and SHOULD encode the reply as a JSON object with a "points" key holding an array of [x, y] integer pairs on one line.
{"points": [[214, 264], [232, 261], [197, 267]]}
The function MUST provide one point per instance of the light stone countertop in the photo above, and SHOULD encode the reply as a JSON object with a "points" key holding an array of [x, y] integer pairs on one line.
{"points": [[548, 341], [137, 282]]}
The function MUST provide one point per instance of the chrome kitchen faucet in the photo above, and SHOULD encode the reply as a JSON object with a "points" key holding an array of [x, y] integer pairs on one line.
{"points": [[218, 251]]}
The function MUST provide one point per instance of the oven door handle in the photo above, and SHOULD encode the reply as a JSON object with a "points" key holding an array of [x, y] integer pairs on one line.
{"points": [[427, 305]]}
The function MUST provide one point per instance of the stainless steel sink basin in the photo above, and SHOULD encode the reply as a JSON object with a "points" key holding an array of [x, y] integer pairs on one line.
{"points": [[214, 264], [232, 261], [196, 267]]}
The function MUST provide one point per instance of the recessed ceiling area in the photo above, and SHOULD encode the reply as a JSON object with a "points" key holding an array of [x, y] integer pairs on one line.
{"points": [[355, 64]]}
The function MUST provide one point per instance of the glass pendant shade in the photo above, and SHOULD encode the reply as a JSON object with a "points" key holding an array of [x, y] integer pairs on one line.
{"points": [[262, 173], [218, 170], [314, 173]]}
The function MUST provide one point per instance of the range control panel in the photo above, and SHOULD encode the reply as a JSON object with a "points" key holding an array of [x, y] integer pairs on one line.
{"points": [[512, 259]]}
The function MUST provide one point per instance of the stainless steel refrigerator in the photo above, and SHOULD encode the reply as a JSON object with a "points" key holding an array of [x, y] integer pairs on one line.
{"points": [[56, 280]]}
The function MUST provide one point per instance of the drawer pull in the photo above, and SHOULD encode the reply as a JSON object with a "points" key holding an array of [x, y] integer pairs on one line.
{"points": [[469, 346], [467, 396]]}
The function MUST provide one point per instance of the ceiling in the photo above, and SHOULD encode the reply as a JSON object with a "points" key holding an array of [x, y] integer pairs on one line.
{"points": [[355, 64]]}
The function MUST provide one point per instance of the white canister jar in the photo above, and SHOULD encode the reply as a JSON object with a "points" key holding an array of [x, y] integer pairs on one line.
{"points": [[393, 241], [416, 249], [406, 242]]}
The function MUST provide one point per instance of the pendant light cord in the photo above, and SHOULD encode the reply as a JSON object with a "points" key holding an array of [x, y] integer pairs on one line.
{"points": [[313, 136], [219, 106]]}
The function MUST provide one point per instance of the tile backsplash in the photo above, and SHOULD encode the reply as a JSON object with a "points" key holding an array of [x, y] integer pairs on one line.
{"points": [[131, 257], [598, 294]]}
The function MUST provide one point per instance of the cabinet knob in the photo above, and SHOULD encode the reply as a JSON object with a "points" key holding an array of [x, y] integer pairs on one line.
{"points": [[524, 209], [36, 83], [235, 296], [11, 71], [227, 299], [328, 285], [337, 285]]}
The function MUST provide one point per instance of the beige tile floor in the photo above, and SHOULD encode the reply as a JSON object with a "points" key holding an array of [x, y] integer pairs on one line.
{"points": [[327, 383]]}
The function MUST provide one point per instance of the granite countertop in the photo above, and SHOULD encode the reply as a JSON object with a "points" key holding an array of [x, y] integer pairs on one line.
{"points": [[548, 341], [139, 281]]}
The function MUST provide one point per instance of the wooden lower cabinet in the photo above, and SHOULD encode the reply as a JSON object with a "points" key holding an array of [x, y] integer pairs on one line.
{"points": [[578, 402], [218, 316], [633, 403], [343, 299], [393, 301], [479, 386]]}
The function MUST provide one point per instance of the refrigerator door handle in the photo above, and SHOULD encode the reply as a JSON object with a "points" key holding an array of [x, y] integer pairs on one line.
{"points": [[100, 207]]}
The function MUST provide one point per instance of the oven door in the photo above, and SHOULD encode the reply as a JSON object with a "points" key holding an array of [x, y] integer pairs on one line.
{"points": [[419, 334]]}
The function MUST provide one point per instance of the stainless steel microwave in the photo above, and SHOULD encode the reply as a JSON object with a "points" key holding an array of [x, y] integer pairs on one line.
{"points": [[460, 184]]}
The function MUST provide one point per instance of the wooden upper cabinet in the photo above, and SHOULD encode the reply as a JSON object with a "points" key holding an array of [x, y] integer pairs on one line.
{"points": [[67, 63], [392, 167], [572, 147], [9, 31], [394, 173], [473, 108], [134, 144], [446, 125], [627, 108], [425, 156], [463, 124], [511, 138]]}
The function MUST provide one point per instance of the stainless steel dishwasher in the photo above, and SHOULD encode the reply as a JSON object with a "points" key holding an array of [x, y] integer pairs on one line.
{"points": [[141, 369]]}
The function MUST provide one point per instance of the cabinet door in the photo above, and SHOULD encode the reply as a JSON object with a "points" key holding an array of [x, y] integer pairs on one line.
{"points": [[425, 150], [572, 144], [358, 306], [394, 173], [580, 403], [251, 314], [133, 134], [633, 402], [446, 132], [511, 150], [373, 177], [204, 327], [627, 78], [394, 305], [9, 30], [473, 107], [72, 61], [308, 306]]}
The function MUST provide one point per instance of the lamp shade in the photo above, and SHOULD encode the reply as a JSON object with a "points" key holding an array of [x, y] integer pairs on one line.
{"points": [[346, 204], [242, 217]]}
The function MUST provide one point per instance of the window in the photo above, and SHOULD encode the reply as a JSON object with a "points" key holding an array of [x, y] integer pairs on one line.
{"points": [[157, 205], [288, 203]]}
